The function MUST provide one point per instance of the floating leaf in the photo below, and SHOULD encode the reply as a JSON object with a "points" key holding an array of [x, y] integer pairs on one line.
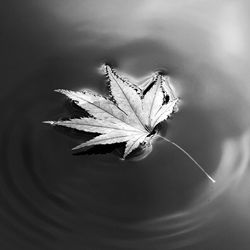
{"points": [[130, 114]]}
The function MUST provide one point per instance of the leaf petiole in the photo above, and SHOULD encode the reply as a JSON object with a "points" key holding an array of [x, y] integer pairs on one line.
{"points": [[189, 156]]}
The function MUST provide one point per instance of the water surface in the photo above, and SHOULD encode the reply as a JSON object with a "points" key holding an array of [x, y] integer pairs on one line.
{"points": [[51, 199]]}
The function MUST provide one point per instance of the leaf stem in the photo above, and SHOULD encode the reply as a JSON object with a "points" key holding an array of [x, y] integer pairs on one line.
{"points": [[189, 156]]}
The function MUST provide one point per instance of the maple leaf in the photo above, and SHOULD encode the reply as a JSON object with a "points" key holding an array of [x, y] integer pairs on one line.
{"points": [[129, 114]]}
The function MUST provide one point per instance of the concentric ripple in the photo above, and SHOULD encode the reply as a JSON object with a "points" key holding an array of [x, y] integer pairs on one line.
{"points": [[50, 198]]}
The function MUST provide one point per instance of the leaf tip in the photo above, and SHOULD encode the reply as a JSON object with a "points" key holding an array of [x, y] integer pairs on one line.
{"points": [[103, 68], [49, 122], [76, 148], [60, 90]]}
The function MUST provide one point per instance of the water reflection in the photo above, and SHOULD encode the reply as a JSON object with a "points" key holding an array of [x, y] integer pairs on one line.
{"points": [[231, 176], [53, 200]]}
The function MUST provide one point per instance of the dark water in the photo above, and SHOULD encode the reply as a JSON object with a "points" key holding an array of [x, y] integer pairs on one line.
{"points": [[51, 199]]}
